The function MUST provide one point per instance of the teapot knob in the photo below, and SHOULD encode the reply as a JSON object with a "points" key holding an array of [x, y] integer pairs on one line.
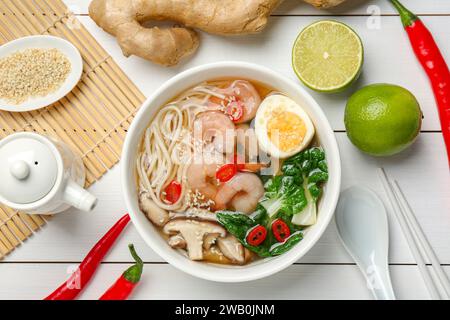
{"points": [[20, 169]]}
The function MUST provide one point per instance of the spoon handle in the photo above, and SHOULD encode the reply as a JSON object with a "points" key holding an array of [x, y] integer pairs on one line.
{"points": [[380, 285]]}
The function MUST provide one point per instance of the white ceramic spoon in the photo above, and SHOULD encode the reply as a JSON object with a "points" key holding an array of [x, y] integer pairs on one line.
{"points": [[363, 228]]}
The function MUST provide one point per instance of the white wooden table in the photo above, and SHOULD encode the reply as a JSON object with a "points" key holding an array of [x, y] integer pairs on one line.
{"points": [[327, 271]]}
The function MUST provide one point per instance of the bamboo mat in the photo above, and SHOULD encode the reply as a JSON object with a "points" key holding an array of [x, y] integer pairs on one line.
{"points": [[93, 119]]}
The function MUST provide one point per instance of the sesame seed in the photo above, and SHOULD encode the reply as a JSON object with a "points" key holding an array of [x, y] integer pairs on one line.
{"points": [[32, 73]]}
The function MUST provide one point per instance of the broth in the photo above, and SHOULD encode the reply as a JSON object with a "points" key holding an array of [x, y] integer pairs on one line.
{"points": [[193, 181]]}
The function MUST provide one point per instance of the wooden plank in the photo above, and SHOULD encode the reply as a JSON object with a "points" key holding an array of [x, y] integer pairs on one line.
{"points": [[351, 7], [420, 170], [301, 282], [388, 58]]}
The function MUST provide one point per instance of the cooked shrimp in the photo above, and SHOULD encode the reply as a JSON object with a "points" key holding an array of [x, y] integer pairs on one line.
{"points": [[241, 193], [213, 127], [201, 178], [242, 91], [245, 92]]}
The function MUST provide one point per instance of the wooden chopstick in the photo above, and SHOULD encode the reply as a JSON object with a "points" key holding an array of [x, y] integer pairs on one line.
{"points": [[423, 241], [413, 245]]}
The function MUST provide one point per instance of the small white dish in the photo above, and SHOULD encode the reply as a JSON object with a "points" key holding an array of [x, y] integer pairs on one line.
{"points": [[44, 42], [260, 268]]}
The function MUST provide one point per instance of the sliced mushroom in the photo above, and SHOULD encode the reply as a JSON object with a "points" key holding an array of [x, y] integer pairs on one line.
{"points": [[194, 231], [214, 255], [177, 242], [248, 256], [209, 240], [157, 215], [232, 249], [202, 214]]}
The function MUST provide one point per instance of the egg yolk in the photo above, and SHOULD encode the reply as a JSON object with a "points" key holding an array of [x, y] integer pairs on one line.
{"points": [[286, 130]]}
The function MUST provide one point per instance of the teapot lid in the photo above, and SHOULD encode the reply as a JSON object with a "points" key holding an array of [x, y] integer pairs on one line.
{"points": [[28, 168]]}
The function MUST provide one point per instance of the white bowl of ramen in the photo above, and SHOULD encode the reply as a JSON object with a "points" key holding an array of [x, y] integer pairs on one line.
{"points": [[260, 267]]}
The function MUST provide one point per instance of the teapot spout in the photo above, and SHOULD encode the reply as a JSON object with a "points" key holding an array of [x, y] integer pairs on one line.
{"points": [[78, 197]]}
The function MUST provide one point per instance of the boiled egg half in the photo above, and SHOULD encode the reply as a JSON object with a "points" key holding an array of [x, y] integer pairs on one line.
{"points": [[282, 127]]}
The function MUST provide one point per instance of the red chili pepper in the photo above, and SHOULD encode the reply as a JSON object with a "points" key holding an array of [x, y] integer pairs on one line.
{"points": [[433, 62], [173, 192], [280, 230], [256, 236], [235, 110], [226, 172], [70, 289], [124, 286]]}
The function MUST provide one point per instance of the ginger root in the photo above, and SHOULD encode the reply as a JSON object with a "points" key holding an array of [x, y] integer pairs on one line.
{"points": [[167, 46], [324, 3]]}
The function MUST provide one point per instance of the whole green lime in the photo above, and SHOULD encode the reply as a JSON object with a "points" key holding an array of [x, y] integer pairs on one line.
{"points": [[382, 119]]}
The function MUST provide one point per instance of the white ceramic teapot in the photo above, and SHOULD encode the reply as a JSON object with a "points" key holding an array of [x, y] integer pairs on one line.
{"points": [[41, 175]]}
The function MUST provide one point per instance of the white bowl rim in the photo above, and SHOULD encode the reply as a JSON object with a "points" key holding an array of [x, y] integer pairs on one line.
{"points": [[71, 52], [198, 269]]}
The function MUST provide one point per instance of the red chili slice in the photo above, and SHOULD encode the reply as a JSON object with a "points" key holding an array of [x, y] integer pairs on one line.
{"points": [[256, 236], [226, 172], [280, 230], [235, 110], [173, 192]]}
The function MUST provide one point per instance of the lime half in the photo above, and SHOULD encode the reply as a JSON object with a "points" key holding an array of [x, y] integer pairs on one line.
{"points": [[328, 56]]}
